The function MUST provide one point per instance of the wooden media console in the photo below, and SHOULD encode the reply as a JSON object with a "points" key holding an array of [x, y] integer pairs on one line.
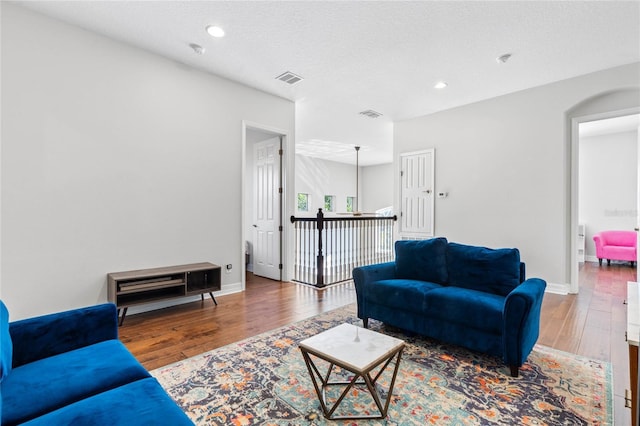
{"points": [[141, 286]]}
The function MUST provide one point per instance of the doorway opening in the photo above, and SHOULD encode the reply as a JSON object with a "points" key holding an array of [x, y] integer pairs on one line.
{"points": [[605, 164], [263, 201]]}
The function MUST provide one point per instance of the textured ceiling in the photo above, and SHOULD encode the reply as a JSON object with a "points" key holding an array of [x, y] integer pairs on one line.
{"points": [[383, 55]]}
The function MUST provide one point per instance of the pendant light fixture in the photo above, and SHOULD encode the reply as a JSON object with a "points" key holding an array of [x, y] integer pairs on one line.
{"points": [[356, 212]]}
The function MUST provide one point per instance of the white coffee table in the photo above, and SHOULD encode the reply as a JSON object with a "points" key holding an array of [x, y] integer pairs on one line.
{"points": [[357, 350]]}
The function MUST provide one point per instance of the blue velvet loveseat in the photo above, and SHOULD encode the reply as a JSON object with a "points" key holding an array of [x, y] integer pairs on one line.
{"points": [[470, 296], [70, 368]]}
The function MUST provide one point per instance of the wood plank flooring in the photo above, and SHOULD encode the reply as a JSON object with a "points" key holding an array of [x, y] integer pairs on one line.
{"points": [[591, 323], [164, 336]]}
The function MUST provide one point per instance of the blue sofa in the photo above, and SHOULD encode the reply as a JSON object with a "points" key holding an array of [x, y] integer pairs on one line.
{"points": [[70, 368], [470, 296]]}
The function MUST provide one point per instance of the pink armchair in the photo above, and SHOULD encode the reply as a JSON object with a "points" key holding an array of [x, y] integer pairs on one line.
{"points": [[616, 245]]}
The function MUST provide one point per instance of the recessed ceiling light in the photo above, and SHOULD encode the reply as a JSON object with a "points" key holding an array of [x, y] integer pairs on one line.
{"points": [[215, 31], [440, 85]]}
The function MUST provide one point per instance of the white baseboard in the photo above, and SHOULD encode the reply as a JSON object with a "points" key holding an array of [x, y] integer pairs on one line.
{"points": [[557, 288]]}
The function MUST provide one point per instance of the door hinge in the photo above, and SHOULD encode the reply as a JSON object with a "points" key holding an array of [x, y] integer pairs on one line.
{"points": [[280, 266], [401, 173], [280, 152], [400, 214], [280, 228], [628, 398], [279, 190]]}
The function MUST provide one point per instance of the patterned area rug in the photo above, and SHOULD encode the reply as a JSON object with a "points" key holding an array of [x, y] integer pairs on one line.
{"points": [[264, 380]]}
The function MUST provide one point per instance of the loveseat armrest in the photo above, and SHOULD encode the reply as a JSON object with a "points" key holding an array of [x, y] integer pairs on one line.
{"points": [[521, 316], [47, 335], [364, 275], [599, 243], [377, 272]]}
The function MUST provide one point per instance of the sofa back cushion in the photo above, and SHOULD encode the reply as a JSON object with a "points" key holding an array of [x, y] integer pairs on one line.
{"points": [[495, 271], [6, 346], [620, 238], [424, 260]]}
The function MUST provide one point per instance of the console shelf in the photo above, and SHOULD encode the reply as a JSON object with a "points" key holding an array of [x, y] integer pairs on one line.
{"points": [[130, 288]]}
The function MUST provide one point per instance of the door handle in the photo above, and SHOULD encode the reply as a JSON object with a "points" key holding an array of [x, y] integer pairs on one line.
{"points": [[428, 191], [255, 226]]}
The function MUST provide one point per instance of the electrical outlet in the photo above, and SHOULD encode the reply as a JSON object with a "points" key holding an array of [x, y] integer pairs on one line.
{"points": [[229, 267]]}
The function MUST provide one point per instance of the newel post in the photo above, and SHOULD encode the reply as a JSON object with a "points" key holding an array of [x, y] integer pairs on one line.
{"points": [[320, 258]]}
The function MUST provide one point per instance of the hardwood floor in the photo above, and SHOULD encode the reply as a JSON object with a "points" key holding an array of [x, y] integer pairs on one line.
{"points": [[164, 336], [591, 323]]}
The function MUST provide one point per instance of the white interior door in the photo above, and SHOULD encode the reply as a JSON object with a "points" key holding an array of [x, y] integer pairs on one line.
{"points": [[266, 239], [417, 193]]}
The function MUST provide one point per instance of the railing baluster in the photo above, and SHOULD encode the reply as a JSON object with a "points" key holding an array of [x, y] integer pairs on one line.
{"points": [[343, 267], [311, 276], [328, 248], [352, 245], [308, 252]]}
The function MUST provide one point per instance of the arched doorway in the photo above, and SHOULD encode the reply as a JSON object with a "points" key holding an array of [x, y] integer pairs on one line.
{"points": [[607, 105]]}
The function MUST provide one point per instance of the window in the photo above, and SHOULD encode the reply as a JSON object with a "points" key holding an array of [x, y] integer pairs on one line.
{"points": [[351, 202], [329, 203], [303, 202]]}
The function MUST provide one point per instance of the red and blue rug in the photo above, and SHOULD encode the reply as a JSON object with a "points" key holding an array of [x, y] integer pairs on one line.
{"points": [[263, 380]]}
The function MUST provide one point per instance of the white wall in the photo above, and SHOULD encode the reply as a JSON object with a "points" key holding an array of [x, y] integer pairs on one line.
{"points": [[377, 187], [318, 178], [505, 163], [114, 159], [608, 184]]}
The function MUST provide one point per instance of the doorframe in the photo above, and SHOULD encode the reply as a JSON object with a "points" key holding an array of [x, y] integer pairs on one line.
{"points": [[432, 207], [573, 221], [284, 135]]}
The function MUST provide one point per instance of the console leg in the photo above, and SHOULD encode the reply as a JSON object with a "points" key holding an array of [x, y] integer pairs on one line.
{"points": [[124, 314], [365, 322], [213, 298]]}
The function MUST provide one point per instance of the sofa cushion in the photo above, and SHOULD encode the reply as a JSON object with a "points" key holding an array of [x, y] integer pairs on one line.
{"points": [[480, 268], [424, 260], [63, 379], [52, 334], [619, 253], [399, 294], [6, 345], [620, 238], [143, 402], [474, 309]]}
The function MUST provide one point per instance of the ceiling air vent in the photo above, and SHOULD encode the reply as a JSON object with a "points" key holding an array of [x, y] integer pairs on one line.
{"points": [[371, 113], [289, 77]]}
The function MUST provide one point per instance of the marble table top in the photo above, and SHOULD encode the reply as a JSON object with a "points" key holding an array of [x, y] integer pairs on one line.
{"points": [[355, 348]]}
